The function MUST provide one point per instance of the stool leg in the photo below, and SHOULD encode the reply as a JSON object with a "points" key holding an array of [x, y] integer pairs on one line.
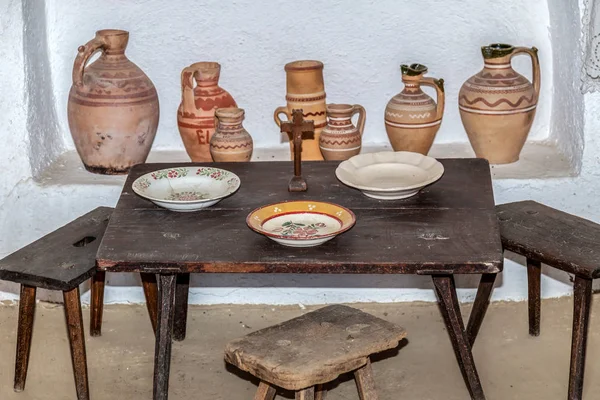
{"points": [[365, 382], [77, 342], [265, 392], [181, 306], [97, 306], [306, 394], [534, 298], [151, 294], [320, 392], [582, 299], [24, 334]]}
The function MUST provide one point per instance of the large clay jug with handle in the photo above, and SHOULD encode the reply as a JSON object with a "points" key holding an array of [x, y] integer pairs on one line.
{"points": [[412, 117], [201, 95], [113, 106], [497, 105], [340, 139], [305, 91]]}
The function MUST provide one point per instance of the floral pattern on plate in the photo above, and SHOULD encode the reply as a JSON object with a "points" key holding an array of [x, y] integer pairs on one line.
{"points": [[214, 173], [170, 173], [297, 230], [188, 196]]}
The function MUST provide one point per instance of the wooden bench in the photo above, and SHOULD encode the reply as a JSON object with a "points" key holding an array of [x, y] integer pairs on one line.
{"points": [[61, 261], [563, 241], [305, 352]]}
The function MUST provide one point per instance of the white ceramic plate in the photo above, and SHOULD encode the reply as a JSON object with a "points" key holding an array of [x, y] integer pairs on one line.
{"points": [[301, 223], [389, 175], [186, 188]]}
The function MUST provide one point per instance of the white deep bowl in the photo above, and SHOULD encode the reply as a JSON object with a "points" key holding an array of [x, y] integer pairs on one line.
{"points": [[186, 189]]}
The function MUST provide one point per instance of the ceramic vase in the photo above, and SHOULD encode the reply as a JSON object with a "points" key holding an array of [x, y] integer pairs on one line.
{"points": [[201, 95], [231, 142], [340, 139], [412, 117], [497, 105], [113, 106], [305, 91]]}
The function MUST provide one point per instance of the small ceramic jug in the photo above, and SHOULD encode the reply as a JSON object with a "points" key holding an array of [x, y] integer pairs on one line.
{"points": [[230, 142], [497, 105], [340, 139], [412, 118]]}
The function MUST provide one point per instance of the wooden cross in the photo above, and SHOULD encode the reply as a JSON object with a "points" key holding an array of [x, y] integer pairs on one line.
{"points": [[295, 129]]}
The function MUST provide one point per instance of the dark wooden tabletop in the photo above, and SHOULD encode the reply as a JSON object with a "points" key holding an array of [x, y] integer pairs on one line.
{"points": [[449, 227]]}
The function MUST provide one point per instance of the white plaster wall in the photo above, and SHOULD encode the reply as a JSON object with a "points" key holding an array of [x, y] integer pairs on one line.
{"points": [[362, 44], [357, 67]]}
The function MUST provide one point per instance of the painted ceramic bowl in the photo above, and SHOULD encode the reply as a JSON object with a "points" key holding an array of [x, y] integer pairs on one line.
{"points": [[389, 175], [186, 188], [301, 223]]}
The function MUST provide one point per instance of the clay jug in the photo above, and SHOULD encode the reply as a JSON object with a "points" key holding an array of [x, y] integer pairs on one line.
{"points": [[113, 106], [231, 142], [412, 118], [497, 105], [196, 113], [340, 139], [305, 91]]}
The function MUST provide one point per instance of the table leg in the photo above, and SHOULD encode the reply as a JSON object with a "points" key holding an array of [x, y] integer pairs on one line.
{"points": [[449, 307], [181, 306], [582, 301], [151, 293], [480, 306], [164, 331]]}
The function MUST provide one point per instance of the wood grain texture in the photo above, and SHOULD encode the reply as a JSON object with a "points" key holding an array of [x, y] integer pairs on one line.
{"points": [[62, 259], [480, 306], [24, 335], [77, 342], [181, 306], [450, 227], [164, 332], [534, 298], [97, 303], [582, 299], [446, 292], [320, 392], [150, 287], [553, 237], [265, 392], [365, 383], [314, 348], [305, 394]]}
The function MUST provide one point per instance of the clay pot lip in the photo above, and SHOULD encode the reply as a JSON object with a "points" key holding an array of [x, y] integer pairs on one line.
{"points": [[339, 108], [497, 50], [112, 32], [230, 112], [303, 65], [414, 69], [206, 66]]}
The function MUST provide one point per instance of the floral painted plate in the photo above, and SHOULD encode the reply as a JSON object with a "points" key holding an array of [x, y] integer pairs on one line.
{"points": [[301, 223], [186, 188], [389, 175]]}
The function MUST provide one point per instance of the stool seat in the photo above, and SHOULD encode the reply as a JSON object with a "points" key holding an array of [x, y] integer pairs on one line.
{"points": [[552, 237], [62, 259], [314, 348]]}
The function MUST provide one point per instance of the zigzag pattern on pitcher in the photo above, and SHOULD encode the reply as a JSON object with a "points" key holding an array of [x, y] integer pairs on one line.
{"points": [[497, 102], [419, 116], [313, 114]]}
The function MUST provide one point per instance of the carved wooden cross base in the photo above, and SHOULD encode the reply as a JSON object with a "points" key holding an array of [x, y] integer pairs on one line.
{"points": [[295, 129]]}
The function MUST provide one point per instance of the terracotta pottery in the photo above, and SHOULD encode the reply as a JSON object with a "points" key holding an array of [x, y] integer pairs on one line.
{"points": [[340, 139], [497, 105], [113, 106], [412, 118], [231, 142], [306, 91], [196, 113]]}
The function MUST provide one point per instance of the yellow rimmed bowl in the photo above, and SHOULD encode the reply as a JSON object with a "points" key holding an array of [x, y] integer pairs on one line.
{"points": [[301, 223]]}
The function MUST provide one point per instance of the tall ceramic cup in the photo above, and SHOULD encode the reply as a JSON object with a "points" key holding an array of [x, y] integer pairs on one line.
{"points": [[306, 91], [497, 105]]}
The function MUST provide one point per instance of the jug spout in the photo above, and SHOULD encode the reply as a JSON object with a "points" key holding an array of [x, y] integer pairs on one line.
{"points": [[499, 52]]}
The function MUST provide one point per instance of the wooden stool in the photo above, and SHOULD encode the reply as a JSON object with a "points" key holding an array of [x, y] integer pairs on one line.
{"points": [[563, 241], [60, 260], [305, 352]]}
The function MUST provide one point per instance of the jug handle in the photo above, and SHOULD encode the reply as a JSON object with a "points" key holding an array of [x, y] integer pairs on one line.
{"points": [[533, 53], [438, 84], [281, 110], [83, 55], [187, 90], [362, 117]]}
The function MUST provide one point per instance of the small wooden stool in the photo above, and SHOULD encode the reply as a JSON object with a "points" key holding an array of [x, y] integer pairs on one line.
{"points": [[563, 241], [305, 352], [60, 260]]}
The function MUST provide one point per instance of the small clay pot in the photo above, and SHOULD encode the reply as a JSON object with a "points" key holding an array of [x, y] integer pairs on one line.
{"points": [[340, 139], [230, 142]]}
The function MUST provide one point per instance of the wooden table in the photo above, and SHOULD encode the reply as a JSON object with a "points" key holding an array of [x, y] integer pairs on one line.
{"points": [[449, 228]]}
